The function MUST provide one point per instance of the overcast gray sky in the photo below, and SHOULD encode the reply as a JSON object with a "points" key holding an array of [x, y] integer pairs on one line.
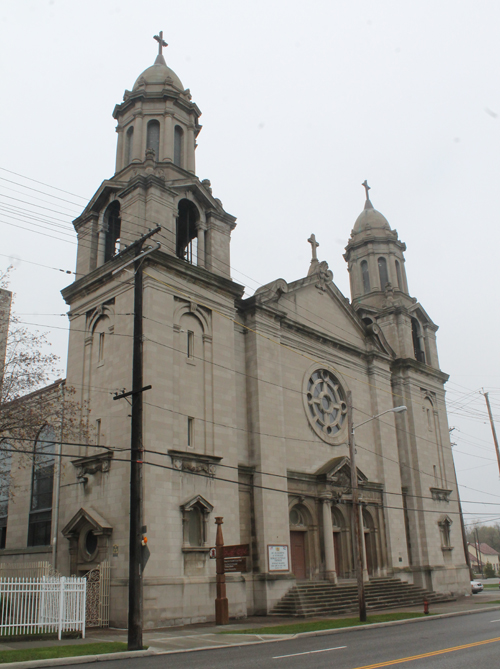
{"points": [[301, 102]]}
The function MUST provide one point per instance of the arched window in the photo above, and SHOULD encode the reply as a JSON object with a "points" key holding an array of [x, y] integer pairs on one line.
{"points": [[186, 239], [153, 138], [42, 484], [417, 340], [112, 223], [129, 142], [366, 276], [5, 468], [178, 141], [398, 275], [382, 271]]}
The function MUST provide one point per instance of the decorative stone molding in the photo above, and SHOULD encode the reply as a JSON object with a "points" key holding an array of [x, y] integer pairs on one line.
{"points": [[100, 462], [194, 463], [440, 494]]}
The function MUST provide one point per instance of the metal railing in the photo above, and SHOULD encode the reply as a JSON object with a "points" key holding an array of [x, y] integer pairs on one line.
{"points": [[42, 605]]}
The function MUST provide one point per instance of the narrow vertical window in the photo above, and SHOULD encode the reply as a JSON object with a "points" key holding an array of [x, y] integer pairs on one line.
{"points": [[190, 344], [382, 270], [153, 138], [398, 275], [129, 143], [98, 432], [5, 468], [100, 356], [186, 232], [178, 137], [366, 276], [190, 432], [42, 484]]}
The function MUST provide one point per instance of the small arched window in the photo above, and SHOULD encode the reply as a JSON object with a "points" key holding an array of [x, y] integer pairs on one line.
{"points": [[112, 224], [42, 484], [382, 271], [186, 239], [153, 138], [5, 468], [129, 143], [366, 276], [398, 275], [178, 145]]}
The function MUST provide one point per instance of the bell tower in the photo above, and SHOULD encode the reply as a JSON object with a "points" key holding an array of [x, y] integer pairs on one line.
{"points": [[379, 287], [155, 183]]}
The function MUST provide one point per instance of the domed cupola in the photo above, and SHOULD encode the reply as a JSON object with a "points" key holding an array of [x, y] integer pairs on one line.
{"points": [[157, 118], [375, 258]]}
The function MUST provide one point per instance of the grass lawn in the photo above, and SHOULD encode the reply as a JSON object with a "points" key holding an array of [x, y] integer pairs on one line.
{"points": [[491, 586], [50, 652], [296, 628]]}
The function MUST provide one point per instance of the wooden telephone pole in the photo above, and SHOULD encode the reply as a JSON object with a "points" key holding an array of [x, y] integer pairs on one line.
{"points": [[493, 428], [136, 457]]}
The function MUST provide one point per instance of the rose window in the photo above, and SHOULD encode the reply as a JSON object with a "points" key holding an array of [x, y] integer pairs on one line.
{"points": [[325, 404]]}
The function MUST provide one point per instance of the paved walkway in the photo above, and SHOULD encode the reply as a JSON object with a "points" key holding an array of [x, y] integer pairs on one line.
{"points": [[207, 635]]}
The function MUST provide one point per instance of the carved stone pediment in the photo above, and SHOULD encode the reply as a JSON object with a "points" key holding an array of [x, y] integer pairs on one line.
{"points": [[440, 494], [91, 464], [194, 462], [337, 471]]}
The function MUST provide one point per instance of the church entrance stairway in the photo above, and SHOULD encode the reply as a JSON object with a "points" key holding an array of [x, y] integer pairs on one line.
{"points": [[318, 598]]}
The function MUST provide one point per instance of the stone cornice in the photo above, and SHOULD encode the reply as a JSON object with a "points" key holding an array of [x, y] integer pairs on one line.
{"points": [[103, 274], [409, 363]]}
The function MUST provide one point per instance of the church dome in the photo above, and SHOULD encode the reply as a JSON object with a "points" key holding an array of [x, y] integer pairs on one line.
{"points": [[369, 219], [157, 74]]}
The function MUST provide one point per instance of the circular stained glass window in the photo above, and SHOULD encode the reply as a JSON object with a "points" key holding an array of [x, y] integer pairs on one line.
{"points": [[326, 405]]}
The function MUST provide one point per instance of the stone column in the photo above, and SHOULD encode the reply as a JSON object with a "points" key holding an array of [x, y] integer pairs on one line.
{"points": [[137, 153], [330, 572], [119, 149], [362, 527], [200, 229], [101, 240], [190, 163], [168, 138]]}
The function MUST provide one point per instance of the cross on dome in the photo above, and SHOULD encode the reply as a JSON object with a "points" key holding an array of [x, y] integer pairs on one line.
{"points": [[161, 42], [314, 245], [367, 188]]}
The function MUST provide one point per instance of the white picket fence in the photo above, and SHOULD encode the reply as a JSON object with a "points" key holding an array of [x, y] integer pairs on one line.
{"points": [[42, 605]]}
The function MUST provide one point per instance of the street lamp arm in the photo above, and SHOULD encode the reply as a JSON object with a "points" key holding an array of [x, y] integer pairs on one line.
{"points": [[393, 410]]}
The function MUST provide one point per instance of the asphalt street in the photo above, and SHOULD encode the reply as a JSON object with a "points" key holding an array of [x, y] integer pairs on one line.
{"points": [[459, 642]]}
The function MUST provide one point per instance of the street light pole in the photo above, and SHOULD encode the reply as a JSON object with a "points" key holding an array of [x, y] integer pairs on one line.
{"points": [[358, 530]]}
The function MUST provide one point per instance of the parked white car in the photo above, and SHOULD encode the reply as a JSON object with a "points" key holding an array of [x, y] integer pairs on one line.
{"points": [[476, 586]]}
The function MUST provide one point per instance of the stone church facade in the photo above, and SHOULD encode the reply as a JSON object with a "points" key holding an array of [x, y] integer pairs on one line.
{"points": [[246, 415]]}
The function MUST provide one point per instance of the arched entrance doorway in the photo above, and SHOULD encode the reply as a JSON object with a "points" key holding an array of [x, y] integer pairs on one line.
{"points": [[370, 543], [299, 521], [340, 543]]}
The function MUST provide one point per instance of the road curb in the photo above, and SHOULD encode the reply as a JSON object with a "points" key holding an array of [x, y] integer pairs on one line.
{"points": [[87, 659], [77, 659]]}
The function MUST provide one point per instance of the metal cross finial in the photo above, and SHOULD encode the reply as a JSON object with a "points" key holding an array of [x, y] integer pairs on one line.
{"points": [[161, 42], [314, 244], [367, 188]]}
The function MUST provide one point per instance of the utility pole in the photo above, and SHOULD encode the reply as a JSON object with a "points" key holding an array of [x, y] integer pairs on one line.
{"points": [[135, 584], [493, 428], [358, 546]]}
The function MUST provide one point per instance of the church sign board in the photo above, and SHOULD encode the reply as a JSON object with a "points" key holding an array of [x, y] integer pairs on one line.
{"points": [[277, 555], [234, 557], [235, 564]]}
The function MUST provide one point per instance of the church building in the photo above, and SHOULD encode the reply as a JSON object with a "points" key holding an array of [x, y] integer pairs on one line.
{"points": [[246, 417]]}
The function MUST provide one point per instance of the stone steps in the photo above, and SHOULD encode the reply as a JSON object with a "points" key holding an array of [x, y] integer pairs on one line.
{"points": [[313, 598]]}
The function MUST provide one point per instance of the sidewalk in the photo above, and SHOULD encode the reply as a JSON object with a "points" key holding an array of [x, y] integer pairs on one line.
{"points": [[207, 635]]}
